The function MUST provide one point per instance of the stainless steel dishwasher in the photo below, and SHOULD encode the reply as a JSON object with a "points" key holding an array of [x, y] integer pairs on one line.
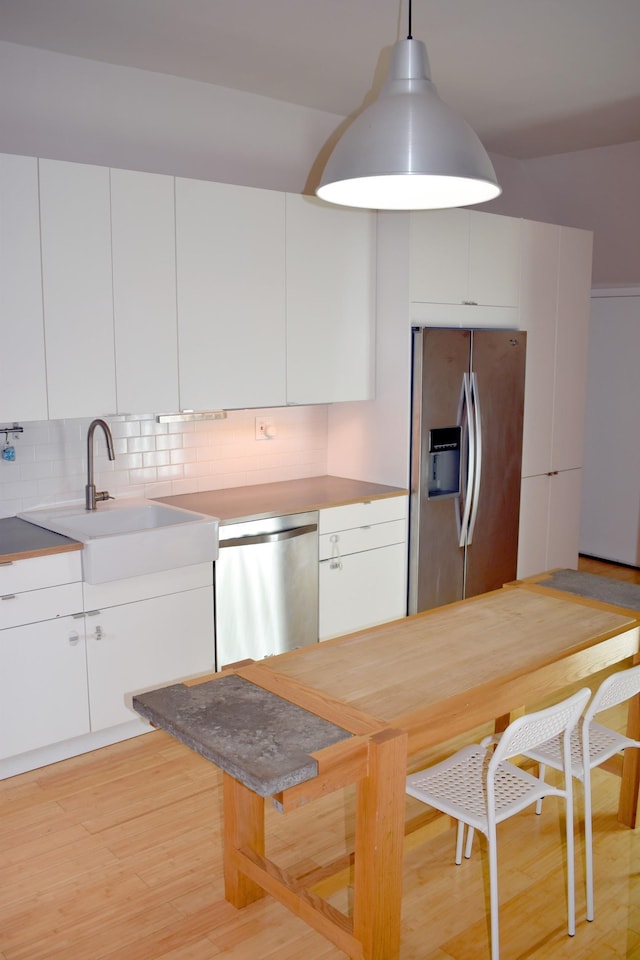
{"points": [[266, 587]]}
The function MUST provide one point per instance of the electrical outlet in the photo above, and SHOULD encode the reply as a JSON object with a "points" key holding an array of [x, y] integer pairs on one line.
{"points": [[265, 429]]}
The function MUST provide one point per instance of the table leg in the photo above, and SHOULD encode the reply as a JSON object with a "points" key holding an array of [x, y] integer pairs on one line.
{"points": [[377, 897], [243, 827], [630, 786]]}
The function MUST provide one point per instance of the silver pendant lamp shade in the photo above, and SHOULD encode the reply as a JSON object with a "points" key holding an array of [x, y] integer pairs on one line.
{"points": [[407, 150]]}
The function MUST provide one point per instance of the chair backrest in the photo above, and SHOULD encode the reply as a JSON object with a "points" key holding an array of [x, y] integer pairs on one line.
{"points": [[615, 689], [532, 729]]}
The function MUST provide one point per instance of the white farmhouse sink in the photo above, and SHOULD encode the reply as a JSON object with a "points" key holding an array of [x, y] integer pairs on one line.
{"points": [[132, 537]]}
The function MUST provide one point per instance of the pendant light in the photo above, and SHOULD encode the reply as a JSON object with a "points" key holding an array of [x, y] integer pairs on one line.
{"points": [[407, 150]]}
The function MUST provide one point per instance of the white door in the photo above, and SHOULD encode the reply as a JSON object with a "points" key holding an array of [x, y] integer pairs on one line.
{"points": [[610, 526], [231, 295], [43, 685], [23, 393], [330, 302], [144, 291], [142, 645], [77, 289]]}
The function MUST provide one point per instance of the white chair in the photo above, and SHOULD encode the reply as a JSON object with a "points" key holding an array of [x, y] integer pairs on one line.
{"points": [[591, 745], [480, 788]]}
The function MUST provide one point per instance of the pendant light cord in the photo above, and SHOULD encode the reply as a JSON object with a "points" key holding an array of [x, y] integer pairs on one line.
{"points": [[409, 37]]}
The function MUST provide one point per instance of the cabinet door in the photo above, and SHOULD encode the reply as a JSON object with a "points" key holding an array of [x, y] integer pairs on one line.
{"points": [[465, 256], [549, 522], [494, 259], [564, 519], [142, 645], [439, 256], [23, 393], [43, 685], [534, 525], [538, 311], [330, 302], [362, 589], [572, 338], [144, 291], [231, 295], [77, 289]]}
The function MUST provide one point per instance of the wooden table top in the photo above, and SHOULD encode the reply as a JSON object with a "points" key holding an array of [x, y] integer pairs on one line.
{"points": [[445, 671]]}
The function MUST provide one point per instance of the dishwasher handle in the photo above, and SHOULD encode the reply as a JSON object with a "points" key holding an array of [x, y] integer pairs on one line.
{"points": [[269, 537]]}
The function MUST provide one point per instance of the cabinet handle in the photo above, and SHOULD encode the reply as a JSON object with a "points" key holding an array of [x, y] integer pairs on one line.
{"points": [[74, 638], [8, 596], [335, 563], [6, 563]]}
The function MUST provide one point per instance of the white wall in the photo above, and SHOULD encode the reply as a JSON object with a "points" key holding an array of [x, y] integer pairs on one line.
{"points": [[593, 189], [68, 108]]}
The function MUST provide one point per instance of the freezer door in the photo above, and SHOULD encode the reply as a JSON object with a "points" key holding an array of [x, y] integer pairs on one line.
{"points": [[436, 560], [498, 365]]}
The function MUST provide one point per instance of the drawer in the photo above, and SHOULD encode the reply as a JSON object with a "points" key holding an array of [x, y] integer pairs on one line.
{"points": [[362, 514], [131, 589], [32, 606], [36, 572], [361, 538]]}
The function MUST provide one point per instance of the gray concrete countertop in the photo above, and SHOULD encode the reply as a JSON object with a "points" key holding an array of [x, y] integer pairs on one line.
{"points": [[258, 738], [20, 540], [279, 499]]}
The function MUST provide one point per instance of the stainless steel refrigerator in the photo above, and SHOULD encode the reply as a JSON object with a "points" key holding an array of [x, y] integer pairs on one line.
{"points": [[466, 452]]}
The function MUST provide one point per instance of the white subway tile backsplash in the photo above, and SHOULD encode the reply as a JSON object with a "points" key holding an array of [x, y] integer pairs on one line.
{"points": [[155, 460]]}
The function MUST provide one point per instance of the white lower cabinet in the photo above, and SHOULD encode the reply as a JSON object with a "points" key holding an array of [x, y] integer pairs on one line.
{"points": [[140, 645], [43, 685], [549, 522], [363, 565], [43, 675], [72, 655]]}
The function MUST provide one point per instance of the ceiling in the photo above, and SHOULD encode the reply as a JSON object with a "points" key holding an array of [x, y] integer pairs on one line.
{"points": [[533, 77]]}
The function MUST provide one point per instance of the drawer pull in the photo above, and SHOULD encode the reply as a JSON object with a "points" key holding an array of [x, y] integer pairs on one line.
{"points": [[335, 563], [8, 596]]}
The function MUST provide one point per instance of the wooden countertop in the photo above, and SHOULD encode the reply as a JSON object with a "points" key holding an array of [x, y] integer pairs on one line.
{"points": [[279, 499], [21, 540]]}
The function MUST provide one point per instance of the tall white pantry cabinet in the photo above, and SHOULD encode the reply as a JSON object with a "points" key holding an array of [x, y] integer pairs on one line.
{"points": [[533, 276]]}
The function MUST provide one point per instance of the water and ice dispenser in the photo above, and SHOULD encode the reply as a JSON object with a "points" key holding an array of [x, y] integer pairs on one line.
{"points": [[444, 463]]}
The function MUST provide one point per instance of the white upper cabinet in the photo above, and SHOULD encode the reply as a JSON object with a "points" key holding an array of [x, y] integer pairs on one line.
{"points": [[231, 295], [464, 257], [572, 347], [23, 393], [556, 282], [556, 285], [330, 256], [538, 312], [77, 289], [144, 291]]}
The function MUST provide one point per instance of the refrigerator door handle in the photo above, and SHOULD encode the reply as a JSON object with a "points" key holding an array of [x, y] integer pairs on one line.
{"points": [[466, 405], [475, 399]]}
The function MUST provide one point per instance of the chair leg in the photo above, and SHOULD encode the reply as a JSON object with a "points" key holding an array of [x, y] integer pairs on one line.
{"points": [[467, 851], [493, 892], [459, 841], [541, 769], [571, 898], [588, 843]]}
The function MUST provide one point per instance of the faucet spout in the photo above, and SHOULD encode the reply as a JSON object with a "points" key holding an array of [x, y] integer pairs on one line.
{"points": [[91, 495]]}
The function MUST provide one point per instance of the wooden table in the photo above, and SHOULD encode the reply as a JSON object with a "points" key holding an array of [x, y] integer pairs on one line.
{"points": [[398, 689]]}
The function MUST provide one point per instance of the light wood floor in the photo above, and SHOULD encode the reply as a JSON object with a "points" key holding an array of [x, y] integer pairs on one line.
{"points": [[116, 856]]}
